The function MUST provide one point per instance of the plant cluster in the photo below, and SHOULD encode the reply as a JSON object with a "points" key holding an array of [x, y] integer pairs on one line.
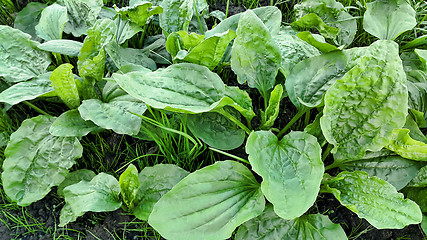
{"points": [[366, 105]]}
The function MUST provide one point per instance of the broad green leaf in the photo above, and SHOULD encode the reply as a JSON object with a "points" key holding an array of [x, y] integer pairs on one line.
{"points": [[402, 144], [75, 177], [387, 19], [27, 90], [52, 21], [269, 226], [311, 20], [155, 182], [176, 15], [321, 46], [255, 57], [311, 78], [65, 86], [211, 50], [417, 195], [291, 170], [129, 56], [125, 29], [209, 203], [417, 93], [91, 62], [65, 47], [36, 161], [371, 100], [293, 50], [375, 200], [101, 194], [71, 124], [190, 40], [272, 111], [129, 184], [140, 12], [179, 88], [216, 130], [20, 59], [115, 115], [243, 100], [420, 180], [82, 15], [396, 170], [422, 54], [414, 129], [271, 16], [27, 19]]}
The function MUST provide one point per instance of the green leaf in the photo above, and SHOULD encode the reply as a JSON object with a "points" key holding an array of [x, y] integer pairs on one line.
{"points": [[82, 15], [418, 195], [312, 77], [125, 29], [255, 57], [36, 161], [414, 129], [155, 182], [65, 86], [129, 184], [75, 177], [70, 124], [308, 227], [396, 170], [176, 15], [387, 19], [20, 59], [129, 56], [322, 46], [190, 40], [209, 203], [216, 130], [293, 50], [179, 88], [311, 20], [27, 90], [243, 100], [140, 12], [272, 111], [27, 19], [420, 180], [375, 200], [91, 62], [402, 144], [372, 101], [115, 115], [52, 21], [101, 194], [65, 47], [291, 170]]}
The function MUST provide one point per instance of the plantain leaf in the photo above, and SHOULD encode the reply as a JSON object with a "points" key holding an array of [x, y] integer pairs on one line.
{"points": [[52, 21], [176, 15], [272, 111], [75, 177], [65, 86], [209, 203], [125, 29], [71, 124], [291, 170], [27, 19], [402, 144], [311, 20], [140, 12], [129, 184], [65, 47]]}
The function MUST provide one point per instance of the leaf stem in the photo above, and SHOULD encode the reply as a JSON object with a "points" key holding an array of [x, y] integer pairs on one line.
{"points": [[293, 120], [307, 118], [333, 165], [230, 155], [233, 119], [37, 109], [141, 40]]}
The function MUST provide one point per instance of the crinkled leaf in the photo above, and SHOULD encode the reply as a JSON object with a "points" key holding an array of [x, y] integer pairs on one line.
{"points": [[371, 100], [71, 124], [402, 144], [65, 86], [272, 111], [75, 177], [375, 200], [27, 19], [311, 20], [65, 47], [101, 194], [308, 227], [209, 203], [293, 50], [82, 15], [125, 29], [255, 57], [129, 56], [420, 180], [313, 41], [312, 77], [52, 21], [417, 93], [20, 59], [414, 129], [216, 130], [140, 12], [129, 184], [36, 161], [387, 19], [291, 170], [115, 115], [27, 90], [155, 182], [176, 15], [190, 40], [243, 100]]}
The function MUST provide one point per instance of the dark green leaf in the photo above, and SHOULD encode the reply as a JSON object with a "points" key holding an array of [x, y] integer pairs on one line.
{"points": [[27, 19]]}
